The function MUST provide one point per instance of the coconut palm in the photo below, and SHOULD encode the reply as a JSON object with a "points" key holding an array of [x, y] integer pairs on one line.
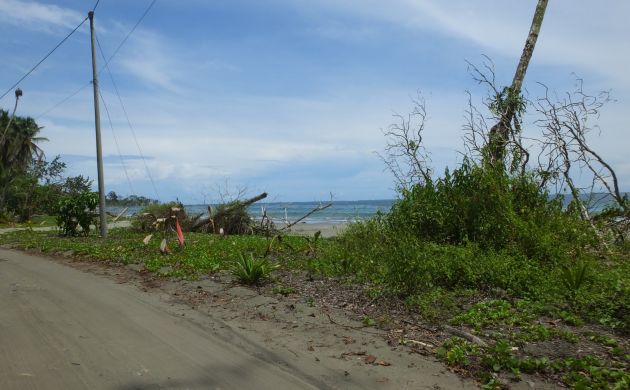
{"points": [[19, 148]]}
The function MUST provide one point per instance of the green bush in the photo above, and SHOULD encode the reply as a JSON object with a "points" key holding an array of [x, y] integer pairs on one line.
{"points": [[482, 230], [492, 209], [408, 265], [76, 211]]}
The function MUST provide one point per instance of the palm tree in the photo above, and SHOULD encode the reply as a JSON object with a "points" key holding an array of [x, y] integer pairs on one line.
{"points": [[19, 148]]}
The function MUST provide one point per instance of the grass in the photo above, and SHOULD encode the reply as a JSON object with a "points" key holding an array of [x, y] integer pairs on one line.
{"points": [[36, 221], [204, 253]]}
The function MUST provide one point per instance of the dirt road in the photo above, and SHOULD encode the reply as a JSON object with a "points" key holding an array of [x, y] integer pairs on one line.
{"points": [[81, 325], [61, 328]]}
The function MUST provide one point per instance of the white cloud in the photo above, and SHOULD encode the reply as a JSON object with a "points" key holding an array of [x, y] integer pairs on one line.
{"points": [[36, 15], [576, 34]]}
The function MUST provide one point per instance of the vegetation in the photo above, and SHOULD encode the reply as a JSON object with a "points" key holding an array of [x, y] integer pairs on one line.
{"points": [[30, 185], [249, 270], [506, 299], [76, 211], [484, 248], [113, 199]]}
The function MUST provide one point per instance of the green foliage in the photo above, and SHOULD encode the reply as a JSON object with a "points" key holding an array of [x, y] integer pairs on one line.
{"points": [[435, 305], [573, 277], [540, 332], [507, 100], [499, 357], [495, 312], [283, 290], [486, 206], [76, 211], [589, 372], [368, 321], [410, 266], [456, 351], [113, 199], [250, 270]]}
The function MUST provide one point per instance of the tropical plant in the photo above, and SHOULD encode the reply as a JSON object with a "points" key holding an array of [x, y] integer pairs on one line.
{"points": [[76, 211], [19, 148], [249, 270]]}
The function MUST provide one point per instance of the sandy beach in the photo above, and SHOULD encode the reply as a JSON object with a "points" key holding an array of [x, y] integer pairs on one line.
{"points": [[308, 229]]}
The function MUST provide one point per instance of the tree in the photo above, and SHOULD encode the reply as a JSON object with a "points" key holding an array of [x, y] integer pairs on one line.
{"points": [[112, 196], [36, 189], [510, 96], [405, 156], [19, 149], [77, 185]]}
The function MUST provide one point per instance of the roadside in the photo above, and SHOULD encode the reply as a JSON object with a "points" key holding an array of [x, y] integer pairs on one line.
{"points": [[69, 329], [308, 296], [111, 225]]}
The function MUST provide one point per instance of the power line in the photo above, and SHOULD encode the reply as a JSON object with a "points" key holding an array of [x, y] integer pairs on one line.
{"points": [[111, 126], [44, 59], [106, 63], [146, 11], [73, 94], [122, 105]]}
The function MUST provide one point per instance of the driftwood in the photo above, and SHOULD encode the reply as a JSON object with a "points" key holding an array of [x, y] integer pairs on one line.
{"points": [[316, 209], [237, 205], [213, 218], [465, 335]]}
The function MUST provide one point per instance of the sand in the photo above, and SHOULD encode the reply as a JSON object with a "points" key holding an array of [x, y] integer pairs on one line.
{"points": [[308, 229], [115, 327]]}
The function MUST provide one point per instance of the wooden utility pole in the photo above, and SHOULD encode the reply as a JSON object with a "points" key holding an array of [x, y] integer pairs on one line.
{"points": [[97, 125]]}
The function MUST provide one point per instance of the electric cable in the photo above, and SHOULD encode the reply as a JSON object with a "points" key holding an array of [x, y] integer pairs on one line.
{"points": [[111, 126], [133, 132], [73, 94], [43, 59], [120, 45]]}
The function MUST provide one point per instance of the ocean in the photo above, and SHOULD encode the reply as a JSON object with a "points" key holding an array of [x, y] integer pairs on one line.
{"points": [[339, 212]]}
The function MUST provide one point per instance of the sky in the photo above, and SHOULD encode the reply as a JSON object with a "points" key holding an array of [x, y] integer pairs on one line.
{"points": [[291, 96]]}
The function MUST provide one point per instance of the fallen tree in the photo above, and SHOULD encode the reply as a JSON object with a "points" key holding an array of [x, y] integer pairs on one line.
{"points": [[230, 218]]}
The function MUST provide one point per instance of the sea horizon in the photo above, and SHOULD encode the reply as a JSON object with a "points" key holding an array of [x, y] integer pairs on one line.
{"points": [[341, 211]]}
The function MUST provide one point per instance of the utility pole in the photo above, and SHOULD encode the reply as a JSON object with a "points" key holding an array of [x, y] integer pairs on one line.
{"points": [[97, 125]]}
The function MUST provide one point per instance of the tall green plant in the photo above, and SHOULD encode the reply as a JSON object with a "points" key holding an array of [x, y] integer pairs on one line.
{"points": [[76, 211], [495, 210]]}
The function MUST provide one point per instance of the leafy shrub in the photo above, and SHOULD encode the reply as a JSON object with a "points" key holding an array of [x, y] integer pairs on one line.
{"points": [[75, 211], [456, 351], [249, 270], [408, 265], [494, 210]]}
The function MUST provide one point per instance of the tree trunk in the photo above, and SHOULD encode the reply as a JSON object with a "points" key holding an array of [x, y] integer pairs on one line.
{"points": [[500, 133]]}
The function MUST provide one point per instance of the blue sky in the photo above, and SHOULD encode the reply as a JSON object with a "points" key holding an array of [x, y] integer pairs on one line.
{"points": [[290, 96]]}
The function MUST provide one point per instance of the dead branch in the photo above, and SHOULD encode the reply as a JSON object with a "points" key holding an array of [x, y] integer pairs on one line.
{"points": [[405, 156], [213, 219], [316, 209], [465, 335]]}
